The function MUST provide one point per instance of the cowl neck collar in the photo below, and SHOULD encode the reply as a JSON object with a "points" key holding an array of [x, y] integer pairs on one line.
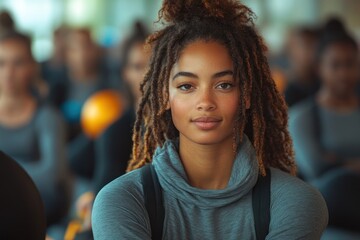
{"points": [[173, 179]]}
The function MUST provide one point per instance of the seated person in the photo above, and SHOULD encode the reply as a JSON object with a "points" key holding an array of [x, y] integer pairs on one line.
{"points": [[32, 132], [326, 131]]}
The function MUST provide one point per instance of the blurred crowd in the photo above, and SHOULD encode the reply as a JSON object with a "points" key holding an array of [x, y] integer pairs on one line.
{"points": [[41, 111]]}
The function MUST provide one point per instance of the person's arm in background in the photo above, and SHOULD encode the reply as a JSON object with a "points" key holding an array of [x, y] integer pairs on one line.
{"points": [[51, 167], [310, 157]]}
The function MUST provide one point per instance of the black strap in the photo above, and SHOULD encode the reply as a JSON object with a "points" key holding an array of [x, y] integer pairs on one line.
{"points": [[155, 208], [261, 205], [153, 201]]}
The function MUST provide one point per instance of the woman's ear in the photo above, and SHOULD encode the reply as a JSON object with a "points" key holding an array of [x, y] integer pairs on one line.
{"points": [[167, 105]]}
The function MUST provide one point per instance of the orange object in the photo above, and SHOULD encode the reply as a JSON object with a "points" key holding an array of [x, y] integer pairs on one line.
{"points": [[99, 111], [73, 228], [280, 80]]}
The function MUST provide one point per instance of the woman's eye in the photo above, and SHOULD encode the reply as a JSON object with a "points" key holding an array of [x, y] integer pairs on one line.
{"points": [[185, 87], [225, 86]]}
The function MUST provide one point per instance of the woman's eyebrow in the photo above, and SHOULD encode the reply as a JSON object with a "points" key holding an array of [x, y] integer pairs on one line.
{"points": [[185, 74], [192, 75], [223, 73]]}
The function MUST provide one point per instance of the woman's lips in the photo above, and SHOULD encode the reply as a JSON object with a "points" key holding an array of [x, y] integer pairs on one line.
{"points": [[206, 123]]}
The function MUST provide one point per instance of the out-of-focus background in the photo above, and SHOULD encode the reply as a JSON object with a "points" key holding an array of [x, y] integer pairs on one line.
{"points": [[69, 87], [110, 20]]}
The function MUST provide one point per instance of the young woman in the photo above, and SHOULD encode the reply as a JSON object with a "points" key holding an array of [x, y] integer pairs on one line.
{"points": [[30, 132], [326, 129], [210, 121]]}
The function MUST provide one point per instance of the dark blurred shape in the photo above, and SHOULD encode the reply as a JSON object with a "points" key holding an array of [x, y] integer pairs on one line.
{"points": [[22, 211], [332, 33], [302, 78], [6, 21]]}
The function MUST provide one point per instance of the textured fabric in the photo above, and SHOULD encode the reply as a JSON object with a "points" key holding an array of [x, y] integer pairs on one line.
{"points": [[297, 210]]}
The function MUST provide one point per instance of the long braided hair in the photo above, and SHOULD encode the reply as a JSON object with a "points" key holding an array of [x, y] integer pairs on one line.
{"points": [[230, 23]]}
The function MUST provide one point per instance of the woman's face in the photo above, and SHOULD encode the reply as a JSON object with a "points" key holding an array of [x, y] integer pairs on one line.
{"points": [[137, 63], [82, 54], [17, 68], [203, 94], [338, 69]]}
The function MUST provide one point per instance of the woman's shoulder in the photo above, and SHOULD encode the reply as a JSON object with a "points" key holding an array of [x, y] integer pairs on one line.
{"points": [[123, 192], [284, 184], [129, 183], [119, 210], [297, 203]]}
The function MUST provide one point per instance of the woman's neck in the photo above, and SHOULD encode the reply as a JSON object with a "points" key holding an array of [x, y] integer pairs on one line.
{"points": [[207, 166], [84, 75], [346, 102], [16, 110], [10, 103]]}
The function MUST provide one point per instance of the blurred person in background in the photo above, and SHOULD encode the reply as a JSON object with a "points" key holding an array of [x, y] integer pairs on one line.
{"points": [[32, 132], [326, 130], [53, 70], [302, 80], [112, 148], [85, 76]]}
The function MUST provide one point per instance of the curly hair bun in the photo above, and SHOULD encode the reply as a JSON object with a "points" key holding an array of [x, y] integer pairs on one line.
{"points": [[226, 11]]}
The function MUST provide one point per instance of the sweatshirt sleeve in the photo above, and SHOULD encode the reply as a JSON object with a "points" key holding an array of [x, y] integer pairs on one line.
{"points": [[308, 152], [298, 211], [119, 211]]}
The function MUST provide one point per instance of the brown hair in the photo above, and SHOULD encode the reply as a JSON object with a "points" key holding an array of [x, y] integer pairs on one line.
{"points": [[16, 36], [231, 24]]}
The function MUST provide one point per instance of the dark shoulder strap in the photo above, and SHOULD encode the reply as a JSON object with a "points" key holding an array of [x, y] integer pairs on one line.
{"points": [[153, 200], [261, 205]]}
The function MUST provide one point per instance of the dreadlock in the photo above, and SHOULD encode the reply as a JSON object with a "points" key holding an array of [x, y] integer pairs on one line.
{"points": [[231, 24]]}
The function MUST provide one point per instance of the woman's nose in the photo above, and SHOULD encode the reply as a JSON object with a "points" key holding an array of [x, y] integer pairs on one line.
{"points": [[206, 101]]}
